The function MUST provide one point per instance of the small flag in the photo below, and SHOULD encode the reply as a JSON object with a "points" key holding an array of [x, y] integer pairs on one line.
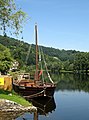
{"points": [[40, 73], [2, 81]]}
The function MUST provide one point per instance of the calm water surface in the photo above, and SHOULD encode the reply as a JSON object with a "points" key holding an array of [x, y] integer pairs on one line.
{"points": [[70, 102], [70, 105]]}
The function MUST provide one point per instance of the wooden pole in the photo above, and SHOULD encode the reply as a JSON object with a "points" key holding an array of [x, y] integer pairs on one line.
{"points": [[35, 115], [36, 40]]}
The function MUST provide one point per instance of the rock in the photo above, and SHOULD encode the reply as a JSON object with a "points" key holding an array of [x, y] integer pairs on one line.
{"points": [[10, 106], [10, 94]]}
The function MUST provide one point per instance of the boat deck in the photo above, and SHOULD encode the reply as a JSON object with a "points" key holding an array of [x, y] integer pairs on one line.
{"points": [[30, 83]]}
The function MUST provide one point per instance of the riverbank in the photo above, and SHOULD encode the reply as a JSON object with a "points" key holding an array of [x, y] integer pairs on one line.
{"points": [[10, 110], [12, 96], [10, 106], [10, 101]]}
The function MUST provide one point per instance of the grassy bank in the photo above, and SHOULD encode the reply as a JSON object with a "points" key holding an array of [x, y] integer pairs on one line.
{"points": [[14, 97]]}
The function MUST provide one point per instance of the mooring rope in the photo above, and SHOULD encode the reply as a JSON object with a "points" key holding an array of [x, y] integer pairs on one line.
{"points": [[35, 94]]}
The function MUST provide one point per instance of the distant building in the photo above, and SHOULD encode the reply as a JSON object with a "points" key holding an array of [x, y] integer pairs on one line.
{"points": [[15, 65]]}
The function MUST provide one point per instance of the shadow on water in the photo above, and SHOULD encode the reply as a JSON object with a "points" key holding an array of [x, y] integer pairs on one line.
{"points": [[44, 105]]}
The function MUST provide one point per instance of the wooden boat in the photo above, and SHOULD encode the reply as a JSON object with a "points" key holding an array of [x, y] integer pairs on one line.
{"points": [[37, 87]]}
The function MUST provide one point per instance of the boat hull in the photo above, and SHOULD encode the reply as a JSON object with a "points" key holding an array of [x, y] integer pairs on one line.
{"points": [[36, 91]]}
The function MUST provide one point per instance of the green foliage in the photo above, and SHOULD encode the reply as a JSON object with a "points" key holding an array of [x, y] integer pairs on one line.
{"points": [[63, 55], [81, 62], [57, 60], [5, 59], [11, 19], [54, 64]]}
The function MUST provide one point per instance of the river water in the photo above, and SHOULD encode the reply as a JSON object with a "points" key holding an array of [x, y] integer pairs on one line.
{"points": [[70, 101]]}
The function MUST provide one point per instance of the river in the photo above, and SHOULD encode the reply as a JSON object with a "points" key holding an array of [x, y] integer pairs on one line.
{"points": [[70, 101]]}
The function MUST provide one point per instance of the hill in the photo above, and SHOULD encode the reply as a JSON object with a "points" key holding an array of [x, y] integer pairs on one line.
{"points": [[21, 52], [17, 45]]}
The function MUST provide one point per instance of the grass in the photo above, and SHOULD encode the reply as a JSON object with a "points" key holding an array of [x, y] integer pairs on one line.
{"points": [[12, 96]]}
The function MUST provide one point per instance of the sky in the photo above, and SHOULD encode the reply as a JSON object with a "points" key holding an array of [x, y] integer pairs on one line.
{"points": [[62, 24]]}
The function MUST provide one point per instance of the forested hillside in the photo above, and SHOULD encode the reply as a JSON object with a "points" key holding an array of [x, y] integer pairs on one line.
{"points": [[17, 46], [56, 59], [63, 55]]}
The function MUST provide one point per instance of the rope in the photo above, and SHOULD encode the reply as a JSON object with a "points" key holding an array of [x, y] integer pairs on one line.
{"points": [[41, 65], [47, 68], [28, 53], [34, 94]]}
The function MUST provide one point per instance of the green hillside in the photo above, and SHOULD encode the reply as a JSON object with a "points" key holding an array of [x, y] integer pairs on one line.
{"points": [[56, 59], [17, 46]]}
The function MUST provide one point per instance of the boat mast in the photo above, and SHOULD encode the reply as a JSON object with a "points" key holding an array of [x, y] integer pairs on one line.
{"points": [[36, 40]]}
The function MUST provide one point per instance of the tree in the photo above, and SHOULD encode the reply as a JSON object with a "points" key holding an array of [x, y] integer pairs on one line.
{"points": [[10, 17], [53, 63], [5, 59], [81, 62]]}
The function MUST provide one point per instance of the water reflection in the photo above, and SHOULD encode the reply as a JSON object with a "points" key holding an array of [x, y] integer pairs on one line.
{"points": [[73, 82], [45, 105]]}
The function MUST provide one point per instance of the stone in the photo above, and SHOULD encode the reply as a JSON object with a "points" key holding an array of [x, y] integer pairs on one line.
{"points": [[10, 106]]}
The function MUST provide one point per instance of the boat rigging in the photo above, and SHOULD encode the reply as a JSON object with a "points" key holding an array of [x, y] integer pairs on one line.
{"points": [[37, 87]]}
